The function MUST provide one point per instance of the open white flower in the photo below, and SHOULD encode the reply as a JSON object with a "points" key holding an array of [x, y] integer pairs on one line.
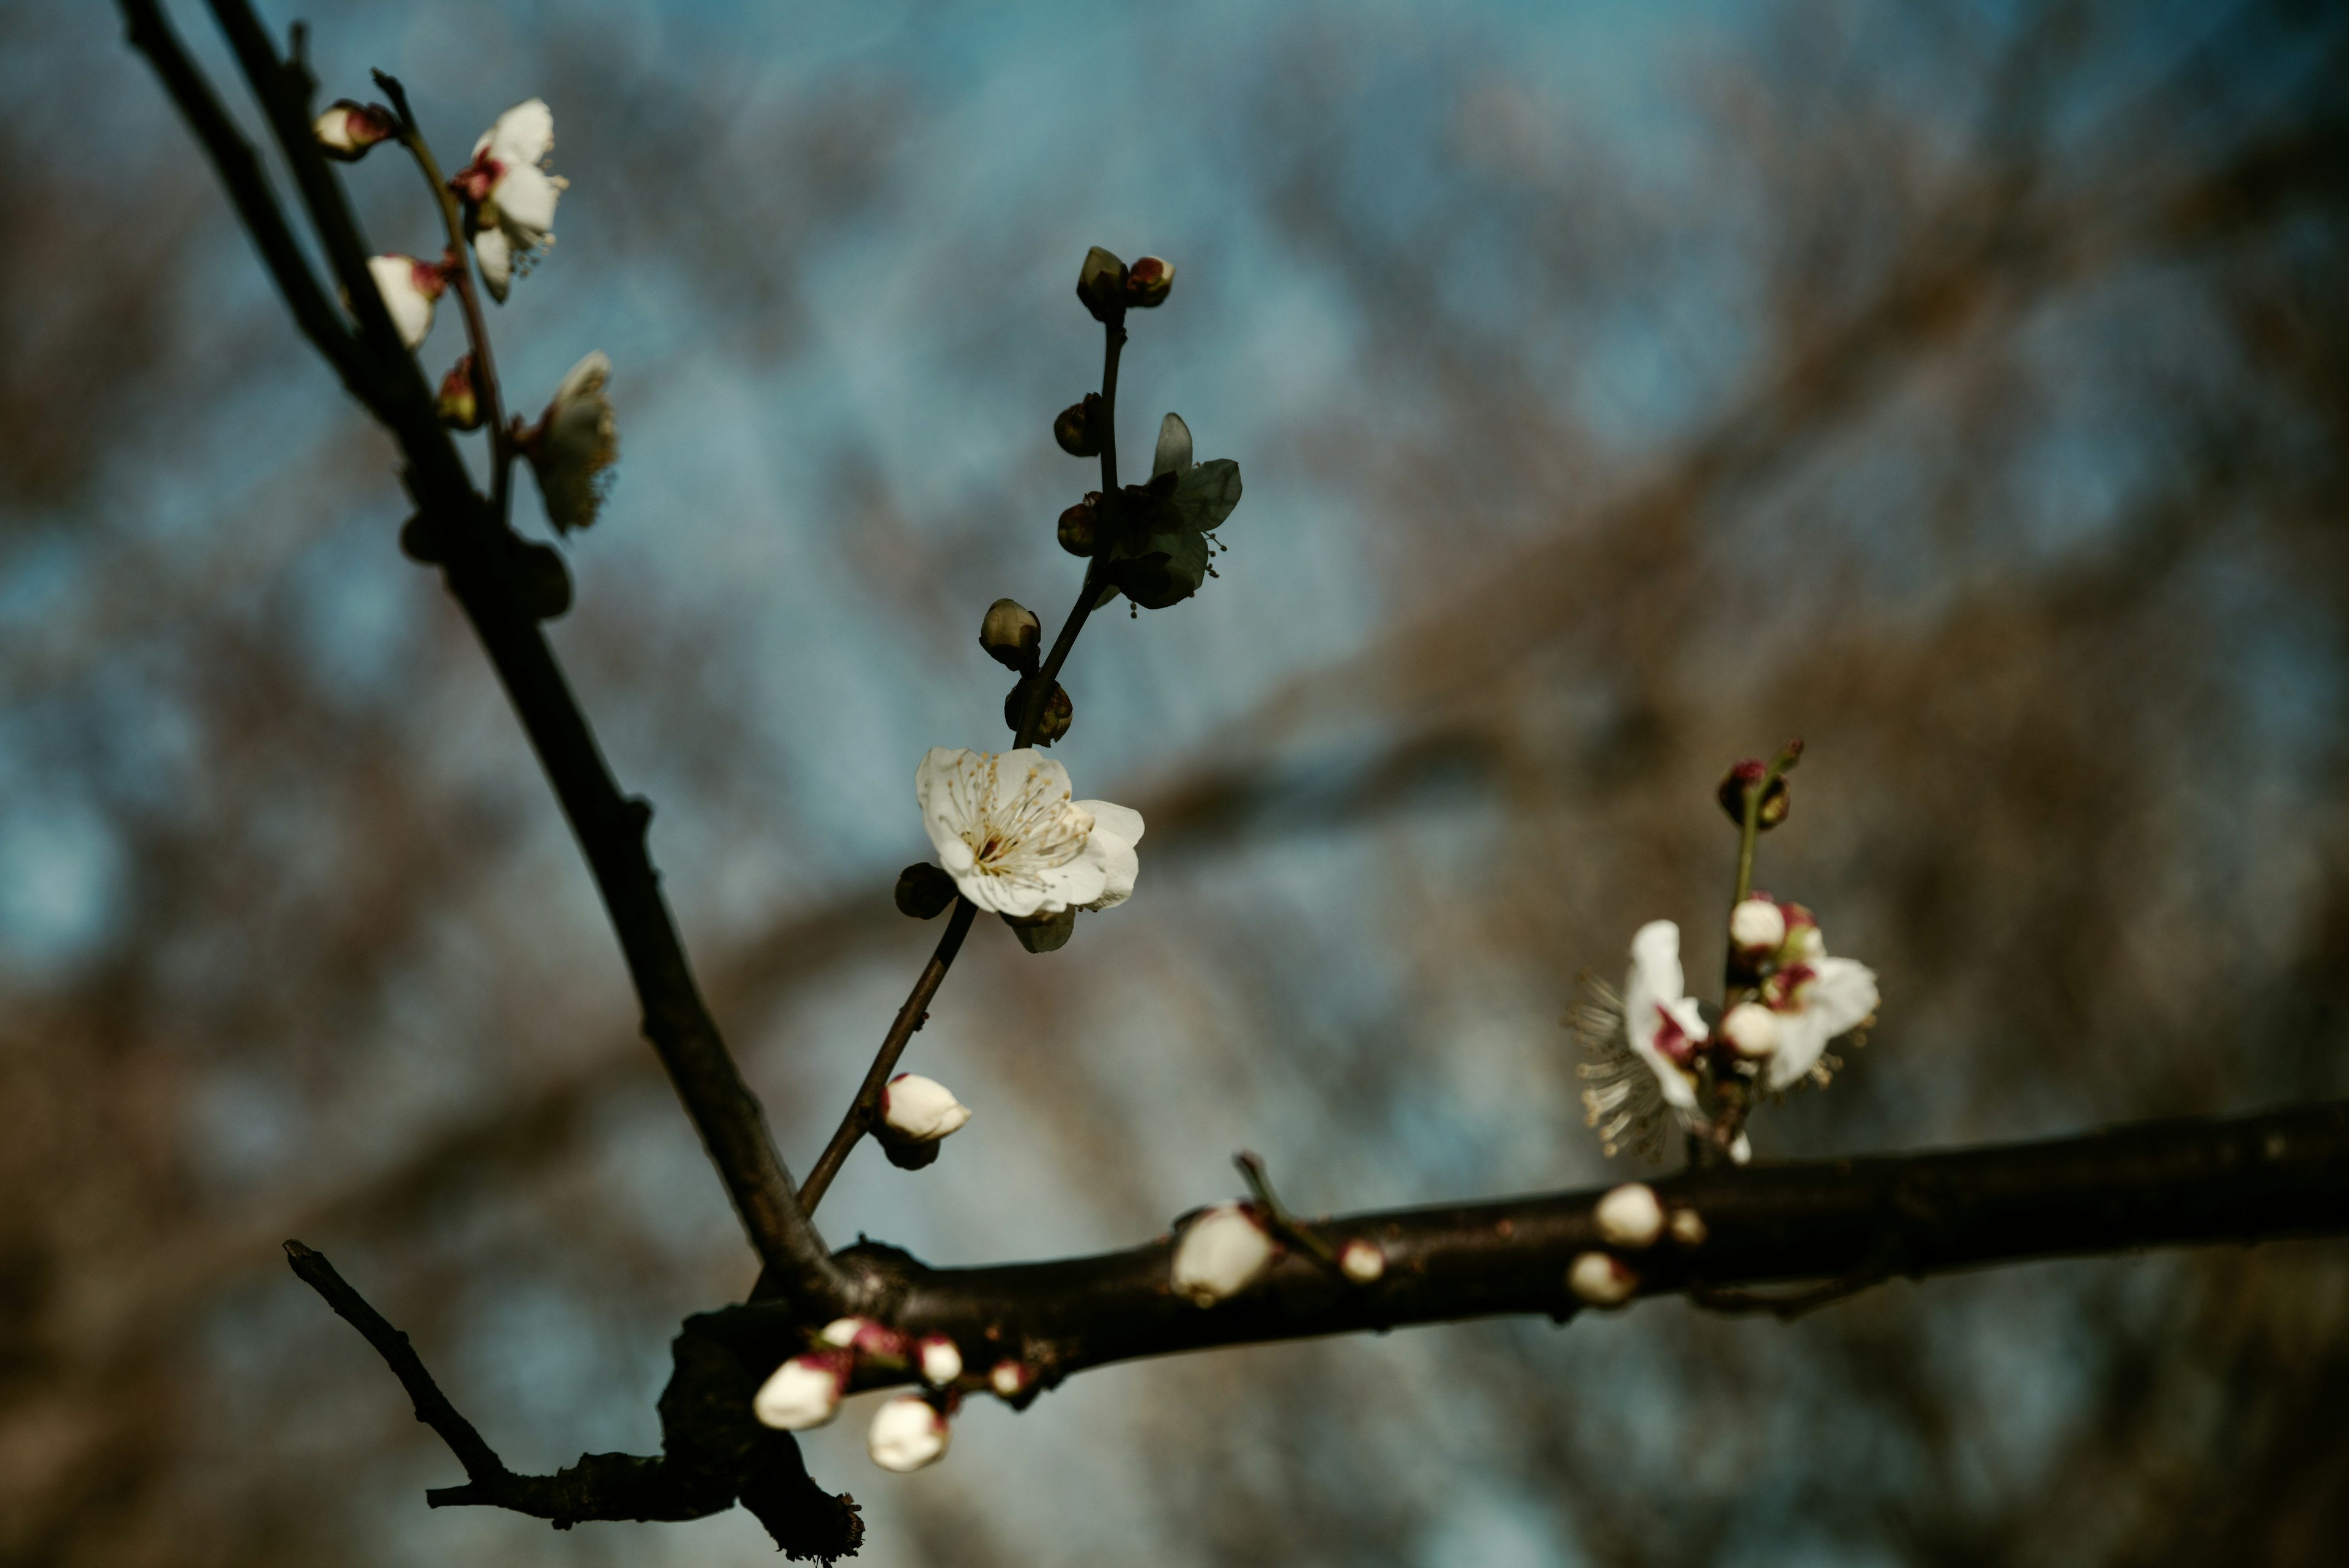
{"points": [[1223, 1251], [1643, 1041], [920, 1109], [1815, 998], [509, 195], [1007, 832], [907, 1432], [573, 446], [409, 288]]}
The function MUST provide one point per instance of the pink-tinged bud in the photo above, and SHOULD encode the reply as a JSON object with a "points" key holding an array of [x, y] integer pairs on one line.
{"points": [[1688, 1227], [1757, 925], [1011, 633], [907, 1433], [939, 1359], [868, 1339], [349, 129], [919, 1109], [1747, 775], [1079, 523], [457, 404], [804, 1391], [1077, 429], [1630, 1216], [1101, 283], [1223, 1251], [1363, 1262], [1148, 281], [1600, 1280], [409, 287], [1751, 1030], [1010, 1378]]}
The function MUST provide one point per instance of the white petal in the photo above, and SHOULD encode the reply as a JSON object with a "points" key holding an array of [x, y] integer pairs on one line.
{"points": [[1122, 821], [1655, 974], [523, 134], [1019, 771], [1842, 992], [495, 256], [1173, 454], [1801, 1040], [409, 307], [525, 197], [1120, 866]]}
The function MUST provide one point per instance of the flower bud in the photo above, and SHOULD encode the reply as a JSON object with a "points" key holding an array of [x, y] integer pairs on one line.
{"points": [[866, 1338], [923, 891], [1011, 1377], [1051, 725], [907, 1432], [1749, 774], [1148, 281], [1223, 1251], [1757, 925], [919, 1109], [1362, 1261], [1010, 634], [804, 1391], [1688, 1227], [409, 287], [1629, 1216], [1751, 1030], [457, 405], [1078, 525], [1600, 1280], [939, 1359], [1078, 428], [1101, 283], [349, 129]]}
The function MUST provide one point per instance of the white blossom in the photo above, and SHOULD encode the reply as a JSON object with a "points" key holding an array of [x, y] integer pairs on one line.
{"points": [[1643, 1042], [1751, 1030], [939, 1359], [1007, 832], [919, 1109], [1629, 1216], [1600, 1280], [409, 288], [1815, 998], [510, 194], [804, 1391], [573, 446], [1223, 1251], [907, 1432], [1363, 1262]]}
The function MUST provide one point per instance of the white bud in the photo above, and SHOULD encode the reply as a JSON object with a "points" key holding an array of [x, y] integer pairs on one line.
{"points": [[803, 1392], [1688, 1227], [1600, 1280], [1363, 1262], [1742, 1150], [1009, 1378], [921, 1109], [940, 1361], [1629, 1216], [841, 1331], [1750, 1029], [907, 1433], [1223, 1253], [1757, 925]]}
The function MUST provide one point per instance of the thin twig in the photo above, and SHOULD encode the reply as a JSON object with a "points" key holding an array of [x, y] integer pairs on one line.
{"points": [[1283, 1223]]}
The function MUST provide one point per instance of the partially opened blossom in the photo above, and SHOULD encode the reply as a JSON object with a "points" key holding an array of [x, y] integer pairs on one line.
{"points": [[1223, 1251], [920, 1109], [509, 195], [573, 446], [1014, 841], [1643, 1042], [907, 1432], [1815, 998], [804, 1391], [349, 129], [409, 288]]}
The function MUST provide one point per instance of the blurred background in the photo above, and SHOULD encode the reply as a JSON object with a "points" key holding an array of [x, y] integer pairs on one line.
{"points": [[1620, 389]]}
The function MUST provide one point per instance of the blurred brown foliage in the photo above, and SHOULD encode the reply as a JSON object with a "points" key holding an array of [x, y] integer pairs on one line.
{"points": [[2018, 496]]}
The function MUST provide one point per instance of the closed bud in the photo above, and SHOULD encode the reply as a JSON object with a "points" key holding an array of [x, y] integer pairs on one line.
{"points": [[868, 1338], [1688, 1227], [1757, 925], [1751, 1030], [923, 891], [919, 1109], [349, 129], [1077, 429], [1101, 283], [1051, 725], [1080, 524], [459, 408], [907, 1432], [1223, 1251], [1600, 1280], [1748, 775], [804, 1391], [940, 1361], [1010, 1378], [1148, 281], [1630, 1216], [1011, 633], [1363, 1262]]}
